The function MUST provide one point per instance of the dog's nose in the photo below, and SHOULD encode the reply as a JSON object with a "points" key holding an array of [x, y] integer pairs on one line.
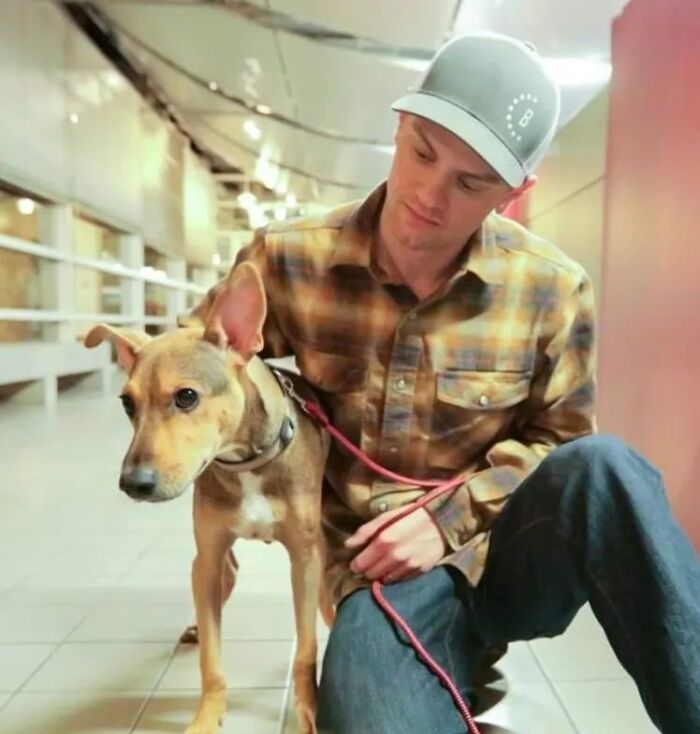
{"points": [[139, 482]]}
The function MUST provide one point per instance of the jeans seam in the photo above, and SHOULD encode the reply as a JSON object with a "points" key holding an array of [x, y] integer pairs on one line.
{"points": [[631, 649], [450, 625]]}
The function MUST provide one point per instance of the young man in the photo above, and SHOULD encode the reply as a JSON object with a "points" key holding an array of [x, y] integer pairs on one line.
{"points": [[446, 339]]}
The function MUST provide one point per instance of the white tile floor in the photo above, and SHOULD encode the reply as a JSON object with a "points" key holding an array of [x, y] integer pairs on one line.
{"points": [[94, 592]]}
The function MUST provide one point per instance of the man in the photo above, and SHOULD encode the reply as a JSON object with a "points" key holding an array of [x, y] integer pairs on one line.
{"points": [[446, 339]]}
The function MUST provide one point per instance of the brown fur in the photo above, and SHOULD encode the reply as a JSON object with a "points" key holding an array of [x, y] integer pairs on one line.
{"points": [[241, 407]]}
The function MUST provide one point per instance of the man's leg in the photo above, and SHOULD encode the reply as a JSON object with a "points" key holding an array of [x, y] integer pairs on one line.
{"points": [[373, 683], [592, 522]]}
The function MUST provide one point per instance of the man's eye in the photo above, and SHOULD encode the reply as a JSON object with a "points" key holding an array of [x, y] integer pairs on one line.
{"points": [[422, 155], [186, 399], [128, 405]]}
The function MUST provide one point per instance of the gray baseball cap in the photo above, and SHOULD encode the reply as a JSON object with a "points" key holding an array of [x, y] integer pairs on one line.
{"points": [[492, 92]]}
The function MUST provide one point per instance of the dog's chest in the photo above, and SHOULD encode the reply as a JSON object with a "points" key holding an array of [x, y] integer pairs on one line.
{"points": [[256, 517]]}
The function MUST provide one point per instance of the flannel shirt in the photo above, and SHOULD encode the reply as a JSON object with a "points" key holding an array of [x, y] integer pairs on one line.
{"points": [[484, 378]]}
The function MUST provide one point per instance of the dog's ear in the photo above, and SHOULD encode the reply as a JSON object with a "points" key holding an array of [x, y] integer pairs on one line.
{"points": [[238, 313], [126, 341]]}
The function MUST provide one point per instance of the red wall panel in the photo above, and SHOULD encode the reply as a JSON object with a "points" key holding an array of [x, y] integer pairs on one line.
{"points": [[650, 308]]}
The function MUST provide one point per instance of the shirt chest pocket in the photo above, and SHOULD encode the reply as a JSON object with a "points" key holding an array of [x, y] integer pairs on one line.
{"points": [[481, 391], [471, 410]]}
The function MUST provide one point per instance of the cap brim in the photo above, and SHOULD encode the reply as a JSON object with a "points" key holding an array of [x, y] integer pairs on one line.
{"points": [[467, 128]]}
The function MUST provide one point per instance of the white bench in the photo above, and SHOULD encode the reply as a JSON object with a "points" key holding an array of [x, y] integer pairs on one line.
{"points": [[44, 362]]}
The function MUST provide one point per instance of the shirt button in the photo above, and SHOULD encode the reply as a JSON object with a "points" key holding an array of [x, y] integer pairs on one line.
{"points": [[483, 401], [401, 384], [382, 506], [393, 449]]}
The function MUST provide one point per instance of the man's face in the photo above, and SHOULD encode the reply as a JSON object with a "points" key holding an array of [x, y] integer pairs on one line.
{"points": [[439, 190]]}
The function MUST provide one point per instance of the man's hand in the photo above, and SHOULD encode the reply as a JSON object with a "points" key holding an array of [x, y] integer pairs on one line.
{"points": [[408, 548]]}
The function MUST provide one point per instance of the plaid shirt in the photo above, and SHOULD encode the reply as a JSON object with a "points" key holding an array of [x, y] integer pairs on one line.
{"points": [[484, 378]]}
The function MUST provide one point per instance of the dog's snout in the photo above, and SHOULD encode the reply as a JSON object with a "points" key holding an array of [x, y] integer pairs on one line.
{"points": [[139, 482]]}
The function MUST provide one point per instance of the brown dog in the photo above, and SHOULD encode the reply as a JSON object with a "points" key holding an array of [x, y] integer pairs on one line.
{"points": [[206, 409]]}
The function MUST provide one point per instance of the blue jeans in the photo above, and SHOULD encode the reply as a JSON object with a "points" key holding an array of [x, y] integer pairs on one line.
{"points": [[591, 523]]}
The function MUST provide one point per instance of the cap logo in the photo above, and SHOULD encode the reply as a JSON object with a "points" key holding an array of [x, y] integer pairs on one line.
{"points": [[520, 113]]}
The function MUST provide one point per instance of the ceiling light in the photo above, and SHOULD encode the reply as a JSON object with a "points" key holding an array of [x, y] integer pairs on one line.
{"points": [[216, 259], [291, 199], [571, 72], [213, 86], [252, 129], [263, 109], [26, 206], [256, 217], [247, 200], [73, 117]]}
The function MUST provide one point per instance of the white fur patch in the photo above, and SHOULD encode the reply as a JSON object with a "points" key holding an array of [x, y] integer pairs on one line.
{"points": [[256, 518]]}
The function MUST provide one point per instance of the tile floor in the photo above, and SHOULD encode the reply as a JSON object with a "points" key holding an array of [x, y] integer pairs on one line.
{"points": [[94, 594]]}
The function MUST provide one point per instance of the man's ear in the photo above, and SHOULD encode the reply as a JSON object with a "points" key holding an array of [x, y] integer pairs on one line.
{"points": [[126, 341], [513, 194], [238, 313]]}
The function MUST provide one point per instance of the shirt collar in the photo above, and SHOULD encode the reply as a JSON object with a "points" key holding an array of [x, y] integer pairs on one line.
{"points": [[356, 236], [359, 230]]}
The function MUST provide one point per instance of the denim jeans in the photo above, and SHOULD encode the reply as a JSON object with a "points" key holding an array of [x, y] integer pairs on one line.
{"points": [[591, 523]]}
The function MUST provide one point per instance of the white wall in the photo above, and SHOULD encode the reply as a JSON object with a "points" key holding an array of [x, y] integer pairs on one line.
{"points": [[566, 207], [120, 162]]}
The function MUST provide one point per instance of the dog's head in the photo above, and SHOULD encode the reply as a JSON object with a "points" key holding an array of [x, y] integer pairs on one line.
{"points": [[183, 395]]}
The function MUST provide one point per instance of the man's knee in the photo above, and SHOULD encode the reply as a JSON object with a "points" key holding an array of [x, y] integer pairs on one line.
{"points": [[360, 636], [603, 468], [360, 650]]}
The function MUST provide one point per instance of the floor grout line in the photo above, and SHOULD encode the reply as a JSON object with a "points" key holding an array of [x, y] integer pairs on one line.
{"points": [[554, 691]]}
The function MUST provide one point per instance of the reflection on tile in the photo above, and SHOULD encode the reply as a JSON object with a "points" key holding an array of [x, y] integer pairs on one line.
{"points": [[54, 589], [36, 623], [90, 667], [578, 657], [247, 664], [255, 711], [42, 713], [605, 706], [142, 623], [18, 662], [526, 708]]}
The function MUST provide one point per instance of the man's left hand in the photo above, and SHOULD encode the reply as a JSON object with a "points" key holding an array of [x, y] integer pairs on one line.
{"points": [[408, 548]]}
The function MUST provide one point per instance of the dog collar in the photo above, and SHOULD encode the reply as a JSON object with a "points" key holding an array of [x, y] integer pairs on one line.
{"points": [[267, 454]]}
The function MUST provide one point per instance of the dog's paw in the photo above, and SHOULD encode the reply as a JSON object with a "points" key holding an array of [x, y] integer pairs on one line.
{"points": [[205, 727], [306, 719], [190, 636]]}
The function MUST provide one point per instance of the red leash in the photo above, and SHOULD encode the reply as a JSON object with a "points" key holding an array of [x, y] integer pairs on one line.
{"points": [[439, 487]]}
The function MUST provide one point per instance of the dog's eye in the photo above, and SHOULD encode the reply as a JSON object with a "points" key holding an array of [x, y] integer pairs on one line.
{"points": [[128, 405], [186, 399]]}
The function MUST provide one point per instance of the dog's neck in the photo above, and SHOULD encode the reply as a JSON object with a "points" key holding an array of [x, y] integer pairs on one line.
{"points": [[264, 411]]}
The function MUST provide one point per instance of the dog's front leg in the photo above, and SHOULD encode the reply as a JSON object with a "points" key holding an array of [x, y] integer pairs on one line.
{"points": [[306, 556], [213, 545]]}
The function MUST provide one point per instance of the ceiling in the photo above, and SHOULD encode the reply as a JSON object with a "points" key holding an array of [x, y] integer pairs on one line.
{"points": [[312, 81]]}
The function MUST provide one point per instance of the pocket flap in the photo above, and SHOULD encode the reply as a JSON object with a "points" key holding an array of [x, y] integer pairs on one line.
{"points": [[482, 390]]}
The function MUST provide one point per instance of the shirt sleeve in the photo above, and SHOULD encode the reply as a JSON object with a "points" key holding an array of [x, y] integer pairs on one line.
{"points": [[559, 408]]}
